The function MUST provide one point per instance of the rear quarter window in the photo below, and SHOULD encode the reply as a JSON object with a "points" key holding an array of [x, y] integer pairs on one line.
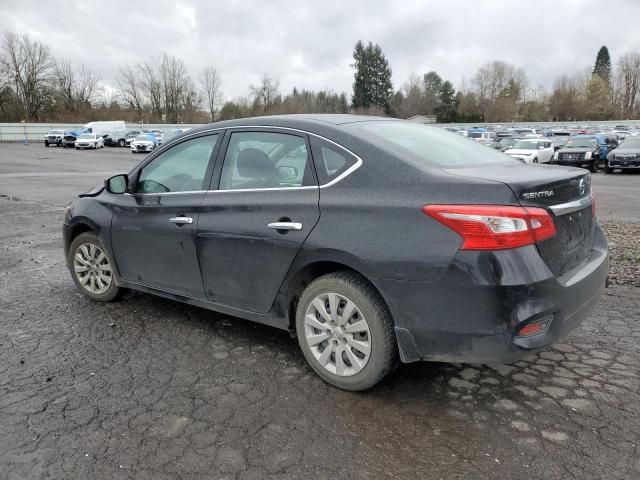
{"points": [[330, 160]]}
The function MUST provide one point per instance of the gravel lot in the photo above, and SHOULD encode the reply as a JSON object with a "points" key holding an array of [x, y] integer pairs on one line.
{"points": [[149, 388]]}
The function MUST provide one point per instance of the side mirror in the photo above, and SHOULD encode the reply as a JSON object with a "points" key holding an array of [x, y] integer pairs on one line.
{"points": [[117, 184], [287, 173]]}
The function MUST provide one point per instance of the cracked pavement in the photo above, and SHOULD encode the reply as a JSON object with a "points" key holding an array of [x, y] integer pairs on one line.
{"points": [[149, 388]]}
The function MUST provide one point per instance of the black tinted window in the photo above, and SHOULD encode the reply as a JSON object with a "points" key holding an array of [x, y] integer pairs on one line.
{"points": [[330, 160], [265, 160]]}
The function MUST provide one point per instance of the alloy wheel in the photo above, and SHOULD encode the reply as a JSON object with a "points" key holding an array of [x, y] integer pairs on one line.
{"points": [[337, 334], [92, 269]]}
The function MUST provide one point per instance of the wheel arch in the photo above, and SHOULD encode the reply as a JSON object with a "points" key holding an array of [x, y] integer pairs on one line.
{"points": [[303, 275]]}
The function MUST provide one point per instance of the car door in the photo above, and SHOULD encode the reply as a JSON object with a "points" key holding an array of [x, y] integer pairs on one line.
{"points": [[262, 205], [154, 226]]}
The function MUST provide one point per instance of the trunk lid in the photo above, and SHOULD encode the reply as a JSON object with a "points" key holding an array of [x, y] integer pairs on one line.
{"points": [[564, 192]]}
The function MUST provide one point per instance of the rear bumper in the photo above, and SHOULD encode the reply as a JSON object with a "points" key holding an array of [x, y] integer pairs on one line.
{"points": [[473, 313]]}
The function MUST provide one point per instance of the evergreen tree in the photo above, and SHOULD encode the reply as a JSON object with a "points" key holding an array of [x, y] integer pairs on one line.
{"points": [[372, 79], [432, 83], [602, 67], [448, 103]]}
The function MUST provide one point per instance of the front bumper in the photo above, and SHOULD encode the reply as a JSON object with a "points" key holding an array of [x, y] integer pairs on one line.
{"points": [[141, 148], [619, 163], [473, 313]]}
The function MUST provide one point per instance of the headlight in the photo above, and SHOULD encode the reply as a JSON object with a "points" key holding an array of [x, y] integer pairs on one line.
{"points": [[587, 156]]}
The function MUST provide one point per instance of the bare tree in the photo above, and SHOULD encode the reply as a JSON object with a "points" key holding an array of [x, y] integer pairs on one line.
{"points": [[27, 65], [629, 81], [265, 93], [152, 86], [210, 83], [130, 88], [176, 86], [75, 89]]}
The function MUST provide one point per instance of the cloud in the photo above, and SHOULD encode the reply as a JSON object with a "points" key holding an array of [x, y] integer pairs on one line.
{"points": [[309, 44]]}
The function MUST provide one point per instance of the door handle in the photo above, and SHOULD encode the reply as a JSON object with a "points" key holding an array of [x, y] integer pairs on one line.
{"points": [[285, 225], [181, 220]]}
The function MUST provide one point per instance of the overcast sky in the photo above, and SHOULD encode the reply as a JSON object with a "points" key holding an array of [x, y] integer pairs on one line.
{"points": [[308, 44]]}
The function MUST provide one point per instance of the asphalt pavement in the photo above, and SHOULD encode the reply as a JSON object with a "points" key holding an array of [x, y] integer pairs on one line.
{"points": [[149, 388]]}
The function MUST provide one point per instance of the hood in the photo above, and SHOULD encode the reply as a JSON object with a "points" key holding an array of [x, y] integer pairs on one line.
{"points": [[626, 151], [575, 149], [520, 151], [528, 180]]}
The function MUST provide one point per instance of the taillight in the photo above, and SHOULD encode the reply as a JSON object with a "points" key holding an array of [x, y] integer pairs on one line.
{"points": [[494, 227]]}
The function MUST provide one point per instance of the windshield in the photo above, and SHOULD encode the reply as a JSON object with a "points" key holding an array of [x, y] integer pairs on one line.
{"points": [[86, 135], [524, 145], [430, 145], [475, 134], [581, 143], [144, 138], [631, 142]]}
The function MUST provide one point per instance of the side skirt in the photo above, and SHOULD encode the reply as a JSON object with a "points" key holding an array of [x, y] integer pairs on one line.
{"points": [[271, 319]]}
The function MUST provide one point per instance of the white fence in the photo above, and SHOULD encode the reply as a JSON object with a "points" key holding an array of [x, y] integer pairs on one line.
{"points": [[34, 132]]}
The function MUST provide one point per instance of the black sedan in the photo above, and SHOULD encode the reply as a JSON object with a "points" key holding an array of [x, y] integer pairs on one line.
{"points": [[371, 240], [625, 157]]}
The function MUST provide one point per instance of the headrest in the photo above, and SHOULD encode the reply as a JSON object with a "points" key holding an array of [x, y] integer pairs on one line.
{"points": [[254, 163]]}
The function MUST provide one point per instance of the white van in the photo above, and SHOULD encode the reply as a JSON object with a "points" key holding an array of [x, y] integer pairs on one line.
{"points": [[101, 128]]}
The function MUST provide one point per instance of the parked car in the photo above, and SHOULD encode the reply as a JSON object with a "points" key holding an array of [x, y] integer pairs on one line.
{"points": [[370, 240], [481, 135], [104, 127], [506, 143], [89, 140], [131, 135], [144, 143], [115, 139], [69, 139], [532, 150], [156, 133], [579, 151], [625, 157], [54, 137]]}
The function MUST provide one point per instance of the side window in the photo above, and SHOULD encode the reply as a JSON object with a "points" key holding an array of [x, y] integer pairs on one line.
{"points": [[182, 168], [331, 161], [266, 160]]}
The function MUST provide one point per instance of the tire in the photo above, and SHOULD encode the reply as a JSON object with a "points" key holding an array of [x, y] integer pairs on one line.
{"points": [[121, 143], [607, 169], [77, 148], [594, 166], [87, 252], [535, 160], [46, 144], [370, 321]]}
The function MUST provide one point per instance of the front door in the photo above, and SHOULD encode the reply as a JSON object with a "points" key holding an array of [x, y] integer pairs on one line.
{"points": [[255, 219], [153, 230]]}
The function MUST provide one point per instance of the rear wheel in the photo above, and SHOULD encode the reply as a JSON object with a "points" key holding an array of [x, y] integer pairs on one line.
{"points": [[91, 268], [345, 331]]}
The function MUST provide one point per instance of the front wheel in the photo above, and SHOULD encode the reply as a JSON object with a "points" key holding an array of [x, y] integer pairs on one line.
{"points": [[345, 331], [608, 169], [91, 268], [594, 166], [46, 144], [121, 143], [535, 160]]}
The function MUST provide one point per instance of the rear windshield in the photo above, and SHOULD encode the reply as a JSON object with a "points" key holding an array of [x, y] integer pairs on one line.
{"points": [[435, 146]]}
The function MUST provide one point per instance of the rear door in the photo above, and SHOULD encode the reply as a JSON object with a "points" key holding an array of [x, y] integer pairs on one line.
{"points": [[262, 205]]}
